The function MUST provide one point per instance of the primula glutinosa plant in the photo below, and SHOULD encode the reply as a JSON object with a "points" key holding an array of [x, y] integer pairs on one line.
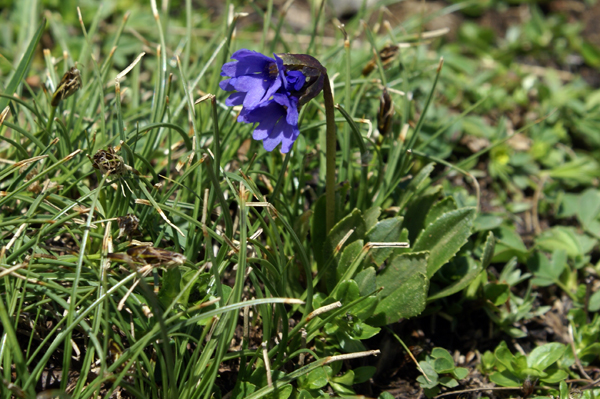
{"points": [[271, 92]]}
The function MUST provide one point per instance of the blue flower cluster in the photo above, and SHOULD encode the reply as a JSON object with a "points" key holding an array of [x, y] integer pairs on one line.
{"points": [[269, 93]]}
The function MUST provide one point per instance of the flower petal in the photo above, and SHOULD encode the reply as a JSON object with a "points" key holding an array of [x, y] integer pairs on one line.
{"points": [[291, 104], [289, 136], [275, 136], [235, 99], [249, 62], [295, 80], [226, 84]]}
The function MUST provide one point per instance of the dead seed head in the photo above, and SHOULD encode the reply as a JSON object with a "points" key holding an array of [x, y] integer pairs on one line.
{"points": [[109, 162], [128, 225]]}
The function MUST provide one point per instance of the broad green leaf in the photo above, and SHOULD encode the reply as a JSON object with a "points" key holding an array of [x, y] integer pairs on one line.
{"points": [[349, 254], [400, 269], [505, 379], [242, 390], [441, 353], [366, 281], [314, 380], [371, 217], [416, 184], [594, 304], [544, 356], [496, 293], [560, 238], [508, 245], [448, 382], [471, 270], [21, 70], [387, 230], [405, 287], [414, 220], [362, 374], [171, 285], [460, 372], [504, 356], [354, 224], [282, 392], [445, 237], [554, 376], [443, 365], [564, 389], [345, 379], [430, 373], [446, 205], [589, 207]]}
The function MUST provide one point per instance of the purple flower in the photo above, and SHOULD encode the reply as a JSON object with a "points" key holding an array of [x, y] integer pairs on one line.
{"points": [[255, 77], [277, 122], [271, 91]]}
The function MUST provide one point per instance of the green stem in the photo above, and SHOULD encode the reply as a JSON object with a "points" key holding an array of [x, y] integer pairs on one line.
{"points": [[48, 134], [330, 155]]}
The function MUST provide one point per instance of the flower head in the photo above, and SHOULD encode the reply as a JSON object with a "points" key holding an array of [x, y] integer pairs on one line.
{"points": [[253, 75], [271, 91]]}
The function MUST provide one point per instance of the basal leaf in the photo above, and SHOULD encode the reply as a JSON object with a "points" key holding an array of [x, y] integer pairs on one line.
{"points": [[445, 237], [387, 230], [405, 287], [544, 356]]}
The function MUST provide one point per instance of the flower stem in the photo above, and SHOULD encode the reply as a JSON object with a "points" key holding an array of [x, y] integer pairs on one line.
{"points": [[330, 147]]}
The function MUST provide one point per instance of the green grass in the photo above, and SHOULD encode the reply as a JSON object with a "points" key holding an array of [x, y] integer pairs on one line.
{"points": [[251, 224]]}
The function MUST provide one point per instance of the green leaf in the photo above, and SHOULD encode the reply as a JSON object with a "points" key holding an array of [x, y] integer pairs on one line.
{"points": [[282, 392], [544, 356], [508, 245], [460, 372], [448, 382], [387, 230], [589, 207], [170, 288], [430, 373], [505, 379], [554, 376], [242, 389], [363, 374], [488, 250], [443, 365], [404, 291], [471, 271], [504, 356], [348, 255], [354, 224], [23, 67], [564, 390], [415, 184], [446, 205], [496, 293], [594, 304], [418, 209], [441, 353], [314, 380], [371, 216], [560, 238], [366, 281], [445, 237]]}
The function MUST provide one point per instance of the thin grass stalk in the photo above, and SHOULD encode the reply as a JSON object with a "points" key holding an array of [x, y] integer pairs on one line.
{"points": [[84, 241]]}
